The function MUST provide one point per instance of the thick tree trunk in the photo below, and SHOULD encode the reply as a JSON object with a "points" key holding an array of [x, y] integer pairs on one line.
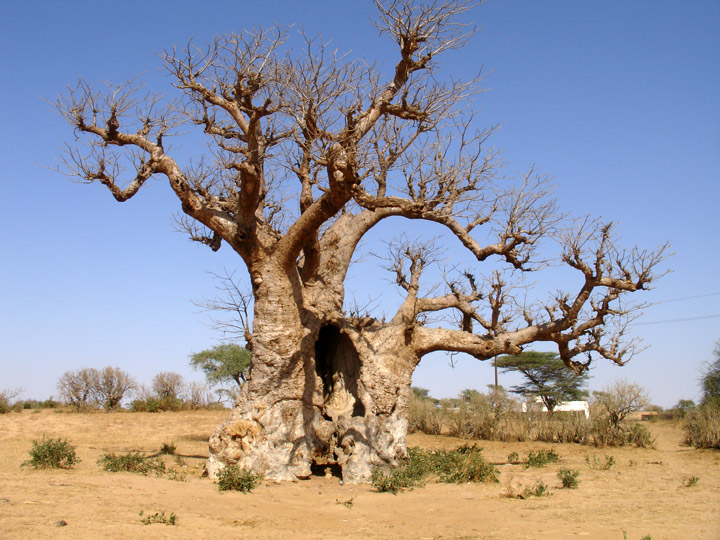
{"points": [[320, 392]]}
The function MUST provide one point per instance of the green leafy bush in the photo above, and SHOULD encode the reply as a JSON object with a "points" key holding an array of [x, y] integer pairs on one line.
{"points": [[52, 454], [540, 489], [568, 478], [597, 463], [133, 462], [236, 479], [692, 481], [157, 404], [394, 480], [159, 517], [461, 465], [541, 458]]}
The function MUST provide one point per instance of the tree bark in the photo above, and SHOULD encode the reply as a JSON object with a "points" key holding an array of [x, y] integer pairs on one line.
{"points": [[325, 392]]}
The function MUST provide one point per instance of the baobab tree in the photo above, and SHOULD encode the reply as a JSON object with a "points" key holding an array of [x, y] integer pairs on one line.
{"points": [[308, 152]]}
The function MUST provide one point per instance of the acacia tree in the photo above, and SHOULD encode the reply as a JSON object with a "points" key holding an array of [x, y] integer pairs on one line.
{"points": [[309, 151], [546, 376], [223, 363]]}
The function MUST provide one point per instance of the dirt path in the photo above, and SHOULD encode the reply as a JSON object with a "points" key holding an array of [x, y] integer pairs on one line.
{"points": [[642, 494]]}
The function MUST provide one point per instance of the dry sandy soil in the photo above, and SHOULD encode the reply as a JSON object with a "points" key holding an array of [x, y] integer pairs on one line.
{"points": [[643, 494]]}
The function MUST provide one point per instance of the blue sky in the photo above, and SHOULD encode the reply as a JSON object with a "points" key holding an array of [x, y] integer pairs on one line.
{"points": [[616, 100]]}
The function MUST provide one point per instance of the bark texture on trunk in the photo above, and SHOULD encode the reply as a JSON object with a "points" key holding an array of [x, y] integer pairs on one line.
{"points": [[323, 393]]}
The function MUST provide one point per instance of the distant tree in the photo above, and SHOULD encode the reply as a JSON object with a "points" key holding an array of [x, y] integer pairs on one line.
{"points": [[224, 363], [77, 388], [112, 386], [469, 394], [168, 385], [6, 396], [546, 376], [197, 395], [684, 405], [710, 380], [420, 393], [620, 399]]}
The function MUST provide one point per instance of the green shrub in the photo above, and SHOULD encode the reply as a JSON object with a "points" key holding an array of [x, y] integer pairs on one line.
{"points": [[52, 454], [702, 427], [541, 458], [540, 489], [159, 517], [691, 482], [133, 462], [568, 478], [234, 478], [513, 457], [394, 480], [145, 405], [461, 465], [155, 404]]}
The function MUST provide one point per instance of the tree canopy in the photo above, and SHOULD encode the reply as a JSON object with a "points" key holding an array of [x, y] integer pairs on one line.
{"points": [[310, 150], [546, 376], [710, 380], [223, 363]]}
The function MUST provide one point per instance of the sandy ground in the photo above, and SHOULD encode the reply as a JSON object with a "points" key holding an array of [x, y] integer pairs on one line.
{"points": [[643, 494]]}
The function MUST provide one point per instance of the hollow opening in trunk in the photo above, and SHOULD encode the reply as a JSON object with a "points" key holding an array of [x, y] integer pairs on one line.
{"points": [[337, 363]]}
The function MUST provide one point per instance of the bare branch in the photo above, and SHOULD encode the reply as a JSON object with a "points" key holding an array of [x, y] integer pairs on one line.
{"points": [[235, 303]]}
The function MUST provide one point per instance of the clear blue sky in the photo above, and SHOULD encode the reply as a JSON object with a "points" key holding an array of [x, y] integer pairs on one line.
{"points": [[617, 100]]}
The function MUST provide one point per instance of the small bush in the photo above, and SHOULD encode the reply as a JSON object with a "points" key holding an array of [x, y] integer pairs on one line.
{"points": [[461, 465], [394, 480], [692, 481], [569, 478], [540, 489], [597, 463], [513, 457], [168, 449], [133, 462], [52, 454], [49, 403], [236, 479], [155, 404], [542, 458], [159, 517], [702, 427]]}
